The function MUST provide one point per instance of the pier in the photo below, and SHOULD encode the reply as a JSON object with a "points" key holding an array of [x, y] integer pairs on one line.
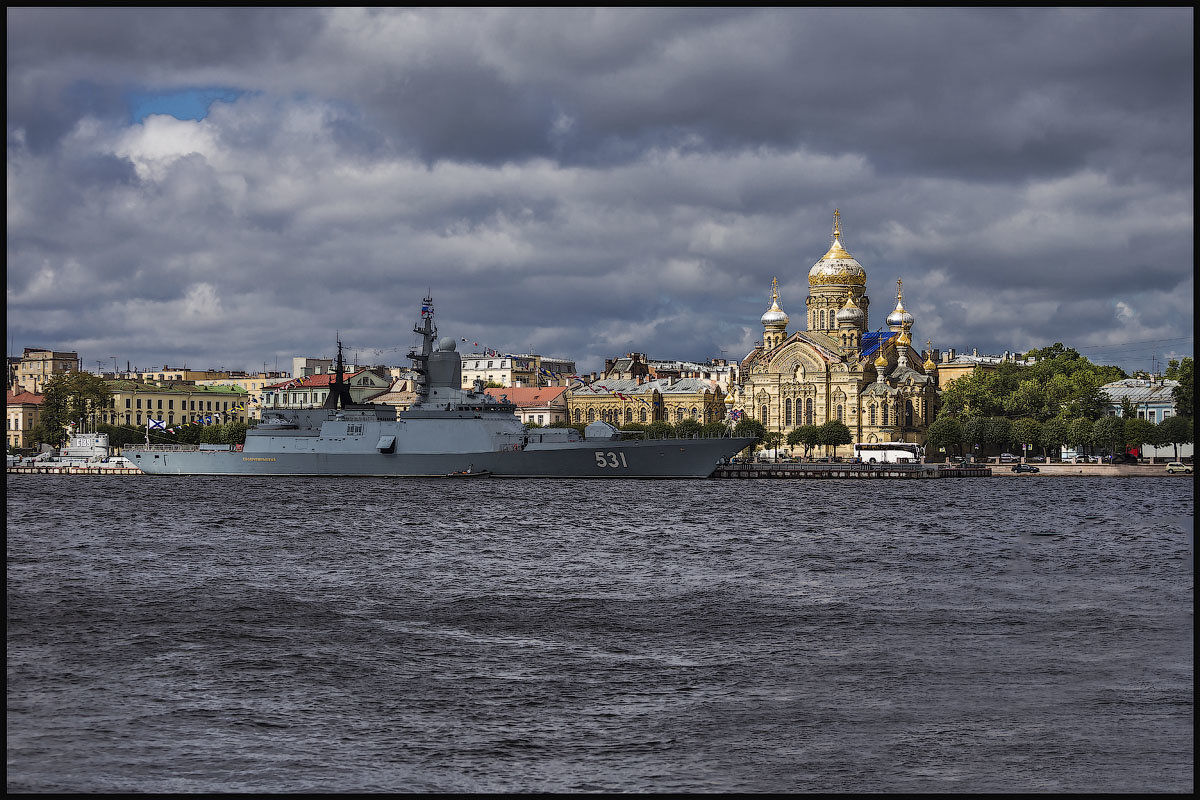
{"points": [[851, 471]]}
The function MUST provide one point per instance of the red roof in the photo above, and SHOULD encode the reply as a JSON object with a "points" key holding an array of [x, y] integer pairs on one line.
{"points": [[528, 396], [22, 398], [312, 381]]}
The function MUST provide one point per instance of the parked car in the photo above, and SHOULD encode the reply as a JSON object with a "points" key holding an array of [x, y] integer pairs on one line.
{"points": [[1179, 466], [1007, 457], [1025, 468], [1037, 459]]}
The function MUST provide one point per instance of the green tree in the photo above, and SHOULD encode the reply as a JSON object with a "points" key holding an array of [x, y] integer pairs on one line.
{"points": [[945, 432], [1026, 432], [74, 397], [835, 433], [772, 440], [1053, 436], [40, 434], [1182, 394], [685, 428], [1176, 431], [1080, 433], [714, 429], [1109, 431], [1139, 432], [752, 428], [660, 430], [807, 436], [1128, 408]]}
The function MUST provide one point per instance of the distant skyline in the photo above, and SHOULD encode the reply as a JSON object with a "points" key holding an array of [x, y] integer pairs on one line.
{"points": [[226, 187]]}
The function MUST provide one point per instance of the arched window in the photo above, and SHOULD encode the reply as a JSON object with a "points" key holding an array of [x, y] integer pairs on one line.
{"points": [[822, 318], [679, 415], [908, 413], [695, 412], [884, 413], [787, 412], [577, 415], [591, 415], [872, 415], [839, 414], [642, 415], [765, 420], [629, 415], [808, 412]]}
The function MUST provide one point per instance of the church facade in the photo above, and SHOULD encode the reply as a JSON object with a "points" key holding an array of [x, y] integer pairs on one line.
{"points": [[836, 367]]}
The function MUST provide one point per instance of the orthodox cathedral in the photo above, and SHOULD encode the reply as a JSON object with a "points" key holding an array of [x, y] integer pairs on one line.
{"points": [[838, 368]]}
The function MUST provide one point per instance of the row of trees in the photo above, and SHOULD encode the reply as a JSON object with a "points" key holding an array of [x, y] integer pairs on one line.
{"points": [[1111, 432], [1061, 384]]}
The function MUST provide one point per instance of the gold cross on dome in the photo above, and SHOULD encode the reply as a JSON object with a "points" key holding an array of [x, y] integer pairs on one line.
{"points": [[837, 224]]}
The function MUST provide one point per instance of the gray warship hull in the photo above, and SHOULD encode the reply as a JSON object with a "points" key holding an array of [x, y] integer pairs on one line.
{"points": [[449, 430], [648, 458]]}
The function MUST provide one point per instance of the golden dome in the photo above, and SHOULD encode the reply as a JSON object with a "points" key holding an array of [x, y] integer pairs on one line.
{"points": [[929, 365], [881, 360], [837, 267], [903, 339]]}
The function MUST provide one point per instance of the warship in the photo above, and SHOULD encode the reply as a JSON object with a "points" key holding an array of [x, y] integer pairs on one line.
{"points": [[447, 432]]}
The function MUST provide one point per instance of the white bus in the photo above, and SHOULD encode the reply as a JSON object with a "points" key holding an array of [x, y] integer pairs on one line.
{"points": [[889, 452]]}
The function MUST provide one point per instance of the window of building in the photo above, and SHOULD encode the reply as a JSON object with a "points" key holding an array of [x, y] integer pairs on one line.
{"points": [[808, 411], [591, 417], [642, 415], [160, 404], [170, 404], [765, 419], [872, 415], [787, 412], [839, 414]]}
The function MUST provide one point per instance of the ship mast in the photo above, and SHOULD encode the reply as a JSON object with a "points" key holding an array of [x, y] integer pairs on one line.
{"points": [[428, 333]]}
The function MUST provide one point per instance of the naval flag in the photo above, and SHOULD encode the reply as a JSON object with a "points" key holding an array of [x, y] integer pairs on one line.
{"points": [[157, 424]]}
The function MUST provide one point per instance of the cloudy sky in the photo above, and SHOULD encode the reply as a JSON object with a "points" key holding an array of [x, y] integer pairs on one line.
{"points": [[228, 187]]}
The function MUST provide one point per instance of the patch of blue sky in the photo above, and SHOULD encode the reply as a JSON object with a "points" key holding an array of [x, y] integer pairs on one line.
{"points": [[192, 103]]}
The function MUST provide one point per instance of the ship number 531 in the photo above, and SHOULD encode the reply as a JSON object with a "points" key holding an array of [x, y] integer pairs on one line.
{"points": [[610, 459]]}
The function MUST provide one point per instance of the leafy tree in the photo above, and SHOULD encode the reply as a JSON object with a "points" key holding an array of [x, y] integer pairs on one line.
{"points": [[945, 432], [1172, 371], [1053, 436], [712, 429], [750, 427], [1128, 408], [997, 432], [807, 436], [531, 424], [73, 397], [1080, 433], [1176, 431], [660, 430], [40, 434], [772, 440], [1182, 394], [1026, 432], [1110, 431], [834, 433], [1140, 432], [685, 428]]}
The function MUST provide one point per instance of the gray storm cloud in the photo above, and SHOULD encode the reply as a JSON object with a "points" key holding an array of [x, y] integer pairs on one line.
{"points": [[592, 181]]}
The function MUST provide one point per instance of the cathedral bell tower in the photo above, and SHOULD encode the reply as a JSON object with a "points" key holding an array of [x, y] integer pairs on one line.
{"points": [[829, 280], [775, 320]]}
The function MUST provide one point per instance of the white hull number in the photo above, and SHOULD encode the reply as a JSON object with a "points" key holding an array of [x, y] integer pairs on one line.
{"points": [[610, 459]]}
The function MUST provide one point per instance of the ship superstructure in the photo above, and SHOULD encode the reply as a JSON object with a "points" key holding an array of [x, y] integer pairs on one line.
{"points": [[446, 431]]}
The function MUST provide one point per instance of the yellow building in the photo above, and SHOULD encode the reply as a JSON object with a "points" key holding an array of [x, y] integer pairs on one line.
{"points": [[38, 365], [134, 402], [837, 368], [621, 401], [22, 410], [253, 386], [183, 374]]}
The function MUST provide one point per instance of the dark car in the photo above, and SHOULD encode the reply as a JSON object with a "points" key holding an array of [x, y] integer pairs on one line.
{"points": [[1037, 459], [1025, 468]]}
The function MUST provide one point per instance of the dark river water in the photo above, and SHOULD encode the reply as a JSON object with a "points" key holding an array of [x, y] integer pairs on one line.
{"points": [[257, 635]]}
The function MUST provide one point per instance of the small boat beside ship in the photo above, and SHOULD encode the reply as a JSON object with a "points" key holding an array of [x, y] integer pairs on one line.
{"points": [[447, 432]]}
